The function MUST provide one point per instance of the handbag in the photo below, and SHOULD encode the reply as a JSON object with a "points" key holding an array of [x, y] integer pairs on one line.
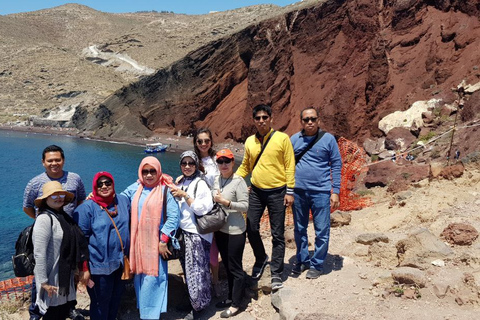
{"points": [[126, 272], [213, 220], [175, 253]]}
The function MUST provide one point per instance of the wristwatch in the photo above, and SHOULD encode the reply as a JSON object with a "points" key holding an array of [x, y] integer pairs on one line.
{"points": [[187, 197]]}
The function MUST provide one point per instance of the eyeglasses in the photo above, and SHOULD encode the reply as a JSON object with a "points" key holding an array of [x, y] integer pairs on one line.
{"points": [[307, 120], [203, 141], [107, 183], [190, 164], [56, 196], [152, 172], [264, 118], [222, 161]]}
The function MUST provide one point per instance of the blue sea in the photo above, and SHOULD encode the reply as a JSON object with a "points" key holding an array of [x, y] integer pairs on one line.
{"points": [[20, 160]]}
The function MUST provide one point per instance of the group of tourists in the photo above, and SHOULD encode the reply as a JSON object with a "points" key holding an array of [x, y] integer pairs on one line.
{"points": [[107, 235]]}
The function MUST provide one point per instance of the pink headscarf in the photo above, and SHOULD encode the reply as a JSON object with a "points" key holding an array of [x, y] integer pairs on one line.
{"points": [[103, 202], [145, 233]]}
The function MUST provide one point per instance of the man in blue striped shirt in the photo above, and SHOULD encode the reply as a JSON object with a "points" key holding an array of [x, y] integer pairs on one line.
{"points": [[317, 188], [53, 160]]}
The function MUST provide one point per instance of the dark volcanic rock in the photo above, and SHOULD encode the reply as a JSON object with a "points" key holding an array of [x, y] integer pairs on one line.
{"points": [[387, 172]]}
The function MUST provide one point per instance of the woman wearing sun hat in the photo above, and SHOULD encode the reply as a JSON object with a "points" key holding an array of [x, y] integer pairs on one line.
{"points": [[230, 191], [105, 220], [59, 247]]}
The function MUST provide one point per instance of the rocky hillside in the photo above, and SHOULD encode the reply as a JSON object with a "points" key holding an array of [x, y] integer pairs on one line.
{"points": [[72, 55], [357, 60]]}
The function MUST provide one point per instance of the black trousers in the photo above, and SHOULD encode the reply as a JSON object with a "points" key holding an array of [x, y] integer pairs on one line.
{"points": [[58, 312], [231, 250], [273, 201]]}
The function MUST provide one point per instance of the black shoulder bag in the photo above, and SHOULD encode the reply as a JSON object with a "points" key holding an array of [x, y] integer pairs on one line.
{"points": [[318, 136], [175, 253]]}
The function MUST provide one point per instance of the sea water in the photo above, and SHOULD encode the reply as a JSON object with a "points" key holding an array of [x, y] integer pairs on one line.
{"points": [[21, 160]]}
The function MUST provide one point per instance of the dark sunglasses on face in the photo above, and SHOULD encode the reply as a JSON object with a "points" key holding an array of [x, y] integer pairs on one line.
{"points": [[147, 171], [107, 183], [307, 120], [222, 161], [190, 164], [203, 141], [264, 118], [56, 196]]}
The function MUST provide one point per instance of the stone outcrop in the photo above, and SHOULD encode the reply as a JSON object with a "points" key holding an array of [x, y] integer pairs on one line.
{"points": [[462, 234], [420, 248], [411, 276]]}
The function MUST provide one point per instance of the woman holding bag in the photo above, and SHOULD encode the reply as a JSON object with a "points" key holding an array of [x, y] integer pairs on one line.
{"points": [[150, 235], [230, 191], [195, 199], [104, 219]]}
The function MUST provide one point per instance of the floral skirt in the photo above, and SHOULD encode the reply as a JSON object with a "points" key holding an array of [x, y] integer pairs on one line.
{"points": [[196, 267]]}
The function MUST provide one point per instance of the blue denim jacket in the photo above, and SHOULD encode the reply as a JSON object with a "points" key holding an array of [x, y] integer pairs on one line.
{"points": [[106, 253]]}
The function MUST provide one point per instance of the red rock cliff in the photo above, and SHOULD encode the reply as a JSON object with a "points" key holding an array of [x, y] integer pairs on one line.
{"points": [[357, 60]]}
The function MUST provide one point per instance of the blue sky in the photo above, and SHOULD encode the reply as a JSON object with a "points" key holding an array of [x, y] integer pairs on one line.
{"points": [[177, 6]]}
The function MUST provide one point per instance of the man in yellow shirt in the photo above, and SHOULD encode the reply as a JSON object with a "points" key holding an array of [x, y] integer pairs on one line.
{"points": [[270, 159]]}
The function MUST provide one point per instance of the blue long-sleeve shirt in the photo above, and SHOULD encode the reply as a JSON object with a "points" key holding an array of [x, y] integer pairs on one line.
{"points": [[320, 167], [106, 254], [173, 212]]}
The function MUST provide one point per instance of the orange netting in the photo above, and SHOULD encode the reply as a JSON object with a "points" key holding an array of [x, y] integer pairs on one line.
{"points": [[16, 288], [354, 160]]}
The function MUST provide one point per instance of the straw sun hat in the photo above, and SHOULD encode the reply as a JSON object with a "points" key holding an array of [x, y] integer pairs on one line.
{"points": [[50, 188]]}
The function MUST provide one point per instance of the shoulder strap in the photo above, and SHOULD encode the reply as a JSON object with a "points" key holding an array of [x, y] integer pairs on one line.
{"points": [[263, 148], [164, 206], [116, 229], [318, 136]]}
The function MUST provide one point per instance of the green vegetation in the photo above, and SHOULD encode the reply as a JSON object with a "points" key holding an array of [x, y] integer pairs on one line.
{"points": [[374, 157], [427, 137], [364, 193]]}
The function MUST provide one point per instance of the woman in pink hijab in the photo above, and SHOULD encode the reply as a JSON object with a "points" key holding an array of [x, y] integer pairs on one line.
{"points": [[150, 235]]}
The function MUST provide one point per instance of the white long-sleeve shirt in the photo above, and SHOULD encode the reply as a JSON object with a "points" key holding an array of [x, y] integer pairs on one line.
{"points": [[202, 204]]}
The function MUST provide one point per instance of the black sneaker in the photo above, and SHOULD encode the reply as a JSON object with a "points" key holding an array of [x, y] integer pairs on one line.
{"points": [[276, 283], [75, 315], [298, 268], [314, 273], [258, 268]]}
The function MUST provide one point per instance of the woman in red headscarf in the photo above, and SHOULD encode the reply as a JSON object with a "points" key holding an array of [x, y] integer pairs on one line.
{"points": [[150, 235], [104, 219]]}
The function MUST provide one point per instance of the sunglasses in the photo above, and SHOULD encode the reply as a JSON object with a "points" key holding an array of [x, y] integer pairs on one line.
{"points": [[307, 120], [222, 161], [264, 118], [190, 164], [151, 171], [107, 183], [55, 197], [203, 141]]}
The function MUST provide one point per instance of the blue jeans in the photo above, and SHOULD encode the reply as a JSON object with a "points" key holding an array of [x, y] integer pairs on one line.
{"points": [[319, 203], [105, 295]]}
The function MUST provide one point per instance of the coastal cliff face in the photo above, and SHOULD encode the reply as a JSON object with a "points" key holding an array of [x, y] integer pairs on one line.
{"points": [[356, 60]]}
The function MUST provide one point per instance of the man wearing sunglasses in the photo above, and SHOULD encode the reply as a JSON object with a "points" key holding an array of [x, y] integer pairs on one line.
{"points": [[53, 160], [317, 186], [269, 158]]}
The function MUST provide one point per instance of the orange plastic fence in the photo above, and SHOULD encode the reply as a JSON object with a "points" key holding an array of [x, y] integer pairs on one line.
{"points": [[16, 288], [354, 160]]}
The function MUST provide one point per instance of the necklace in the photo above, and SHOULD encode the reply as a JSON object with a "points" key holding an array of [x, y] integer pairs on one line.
{"points": [[225, 183], [111, 213]]}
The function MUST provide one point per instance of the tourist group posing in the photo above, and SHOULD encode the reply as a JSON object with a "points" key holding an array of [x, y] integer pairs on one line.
{"points": [[109, 237]]}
